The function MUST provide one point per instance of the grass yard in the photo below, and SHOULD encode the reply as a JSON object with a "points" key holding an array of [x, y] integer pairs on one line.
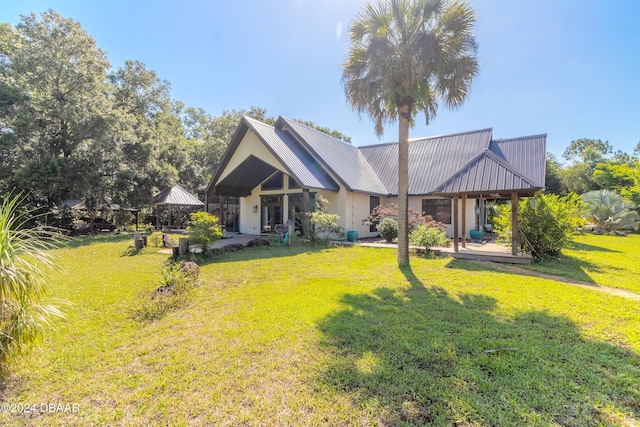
{"points": [[604, 260], [336, 336]]}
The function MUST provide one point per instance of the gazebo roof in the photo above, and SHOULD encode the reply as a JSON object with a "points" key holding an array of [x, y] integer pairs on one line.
{"points": [[176, 196]]}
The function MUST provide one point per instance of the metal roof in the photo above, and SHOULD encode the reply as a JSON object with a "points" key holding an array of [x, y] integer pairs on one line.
{"points": [[344, 161], [431, 160], [176, 196], [298, 162], [446, 163], [526, 154], [485, 173]]}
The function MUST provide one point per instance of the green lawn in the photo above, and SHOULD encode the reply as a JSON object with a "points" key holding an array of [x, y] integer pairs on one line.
{"points": [[605, 260], [333, 336]]}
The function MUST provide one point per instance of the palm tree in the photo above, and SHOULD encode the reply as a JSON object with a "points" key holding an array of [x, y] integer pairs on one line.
{"points": [[405, 56], [24, 263]]}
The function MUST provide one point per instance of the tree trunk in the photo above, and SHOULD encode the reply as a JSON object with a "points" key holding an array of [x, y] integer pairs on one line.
{"points": [[404, 111]]}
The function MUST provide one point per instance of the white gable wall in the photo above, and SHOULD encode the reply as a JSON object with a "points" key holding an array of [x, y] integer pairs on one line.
{"points": [[250, 145]]}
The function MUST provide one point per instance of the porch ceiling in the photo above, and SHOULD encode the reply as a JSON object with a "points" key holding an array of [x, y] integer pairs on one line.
{"points": [[244, 178]]}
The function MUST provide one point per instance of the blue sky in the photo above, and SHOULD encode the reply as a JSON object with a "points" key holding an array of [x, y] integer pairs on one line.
{"points": [[567, 68]]}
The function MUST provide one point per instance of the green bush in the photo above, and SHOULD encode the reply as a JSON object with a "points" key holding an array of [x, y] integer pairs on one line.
{"points": [[427, 237], [324, 223], [388, 228], [204, 229], [155, 239], [178, 279], [547, 223]]}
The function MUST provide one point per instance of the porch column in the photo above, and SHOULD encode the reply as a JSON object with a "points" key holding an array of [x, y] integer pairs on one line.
{"points": [[221, 203], [515, 235], [306, 225], [455, 223], [464, 220], [170, 222]]}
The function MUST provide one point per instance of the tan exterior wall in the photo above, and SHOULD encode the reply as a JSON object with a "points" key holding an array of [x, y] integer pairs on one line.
{"points": [[250, 145]]}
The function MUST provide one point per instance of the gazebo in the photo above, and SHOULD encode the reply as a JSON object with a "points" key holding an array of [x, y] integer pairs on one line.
{"points": [[175, 196]]}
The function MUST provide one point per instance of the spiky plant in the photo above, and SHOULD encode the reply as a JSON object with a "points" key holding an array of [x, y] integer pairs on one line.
{"points": [[608, 211], [25, 261]]}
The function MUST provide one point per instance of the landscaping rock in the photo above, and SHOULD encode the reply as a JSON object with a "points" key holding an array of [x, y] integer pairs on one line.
{"points": [[191, 270], [163, 291], [234, 248]]}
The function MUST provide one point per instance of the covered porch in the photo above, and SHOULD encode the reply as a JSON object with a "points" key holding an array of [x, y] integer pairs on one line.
{"points": [[487, 176]]}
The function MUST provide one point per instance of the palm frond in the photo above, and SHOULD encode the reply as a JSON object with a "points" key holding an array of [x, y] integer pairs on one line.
{"points": [[25, 261], [420, 51]]}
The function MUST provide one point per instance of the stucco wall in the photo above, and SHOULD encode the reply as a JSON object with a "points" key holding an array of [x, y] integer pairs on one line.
{"points": [[250, 145]]}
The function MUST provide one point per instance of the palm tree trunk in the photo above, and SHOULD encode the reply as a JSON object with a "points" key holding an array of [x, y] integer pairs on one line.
{"points": [[403, 184]]}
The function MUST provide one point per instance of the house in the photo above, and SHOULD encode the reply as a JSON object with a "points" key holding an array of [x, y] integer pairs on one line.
{"points": [[268, 172]]}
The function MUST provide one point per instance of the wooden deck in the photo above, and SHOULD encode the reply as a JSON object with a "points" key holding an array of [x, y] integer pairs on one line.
{"points": [[487, 252]]}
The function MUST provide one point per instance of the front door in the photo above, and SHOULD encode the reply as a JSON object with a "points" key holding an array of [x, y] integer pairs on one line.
{"points": [[271, 213]]}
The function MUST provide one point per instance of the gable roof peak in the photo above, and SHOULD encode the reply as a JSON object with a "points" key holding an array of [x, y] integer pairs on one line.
{"points": [[283, 122]]}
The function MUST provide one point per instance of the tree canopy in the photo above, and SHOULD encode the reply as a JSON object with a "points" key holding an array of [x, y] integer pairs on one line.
{"points": [[71, 127]]}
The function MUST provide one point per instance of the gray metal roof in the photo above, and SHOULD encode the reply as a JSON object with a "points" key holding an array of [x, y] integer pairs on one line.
{"points": [[298, 162], [486, 172], [344, 161], [176, 196], [461, 162], [526, 154], [431, 160]]}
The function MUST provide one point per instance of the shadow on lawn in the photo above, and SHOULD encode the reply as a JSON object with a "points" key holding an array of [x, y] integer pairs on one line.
{"points": [[259, 252], [568, 267], [78, 241], [564, 266], [592, 248], [418, 357]]}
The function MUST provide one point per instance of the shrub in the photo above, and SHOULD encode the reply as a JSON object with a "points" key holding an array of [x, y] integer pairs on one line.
{"points": [[324, 223], [204, 229], [388, 228], [546, 223], [24, 313], [178, 279], [380, 212], [427, 237], [607, 211], [155, 239]]}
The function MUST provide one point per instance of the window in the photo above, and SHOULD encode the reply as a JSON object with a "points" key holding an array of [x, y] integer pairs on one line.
{"points": [[293, 183], [438, 209], [374, 202], [274, 182]]}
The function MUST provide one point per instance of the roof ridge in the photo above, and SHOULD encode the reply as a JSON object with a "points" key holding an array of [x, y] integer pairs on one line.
{"points": [[520, 137], [431, 137], [286, 119], [493, 156], [455, 134]]}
